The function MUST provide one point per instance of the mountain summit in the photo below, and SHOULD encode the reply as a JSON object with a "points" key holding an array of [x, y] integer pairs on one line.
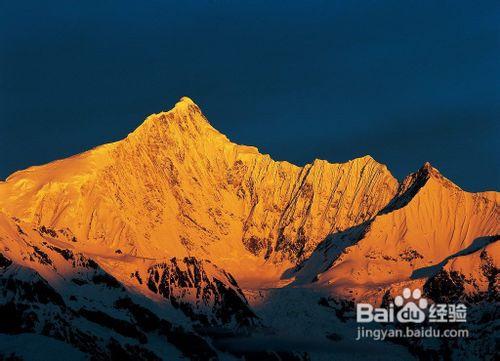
{"points": [[177, 187], [162, 242]]}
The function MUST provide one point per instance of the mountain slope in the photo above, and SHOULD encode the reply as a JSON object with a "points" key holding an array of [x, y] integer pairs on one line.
{"points": [[429, 221], [175, 242], [50, 289], [176, 187]]}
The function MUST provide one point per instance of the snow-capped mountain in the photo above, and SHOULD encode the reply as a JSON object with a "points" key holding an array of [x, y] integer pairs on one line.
{"points": [[430, 224], [177, 243]]}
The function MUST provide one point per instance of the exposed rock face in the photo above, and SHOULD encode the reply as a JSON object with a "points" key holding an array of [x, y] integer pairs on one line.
{"points": [[57, 292], [201, 290], [468, 277], [177, 187], [429, 223], [128, 251]]}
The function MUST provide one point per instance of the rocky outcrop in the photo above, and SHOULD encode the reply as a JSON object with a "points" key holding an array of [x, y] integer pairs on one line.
{"points": [[201, 290], [176, 175], [430, 222], [128, 251], [59, 293]]}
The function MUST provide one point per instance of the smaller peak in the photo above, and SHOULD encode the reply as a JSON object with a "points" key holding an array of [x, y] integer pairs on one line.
{"points": [[414, 183], [359, 161], [318, 161], [365, 158], [428, 170], [368, 160], [427, 167]]}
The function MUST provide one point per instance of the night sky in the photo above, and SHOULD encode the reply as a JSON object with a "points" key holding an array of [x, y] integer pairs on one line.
{"points": [[403, 81]]}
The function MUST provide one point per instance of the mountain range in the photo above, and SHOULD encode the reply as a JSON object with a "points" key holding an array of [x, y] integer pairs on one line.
{"points": [[175, 243]]}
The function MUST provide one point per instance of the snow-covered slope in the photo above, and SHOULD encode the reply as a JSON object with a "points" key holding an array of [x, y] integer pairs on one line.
{"points": [[50, 288], [176, 187], [428, 222], [175, 242]]}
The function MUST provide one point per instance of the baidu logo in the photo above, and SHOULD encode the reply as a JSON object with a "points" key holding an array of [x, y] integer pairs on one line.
{"points": [[411, 307], [414, 304]]}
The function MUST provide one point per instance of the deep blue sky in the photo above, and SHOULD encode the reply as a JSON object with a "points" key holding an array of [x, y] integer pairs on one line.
{"points": [[403, 81]]}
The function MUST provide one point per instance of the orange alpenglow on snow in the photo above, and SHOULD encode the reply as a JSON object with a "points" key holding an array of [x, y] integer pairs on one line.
{"points": [[178, 187], [176, 229]]}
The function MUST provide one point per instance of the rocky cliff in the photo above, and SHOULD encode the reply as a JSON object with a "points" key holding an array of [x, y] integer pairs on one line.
{"points": [[176, 187], [175, 242]]}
